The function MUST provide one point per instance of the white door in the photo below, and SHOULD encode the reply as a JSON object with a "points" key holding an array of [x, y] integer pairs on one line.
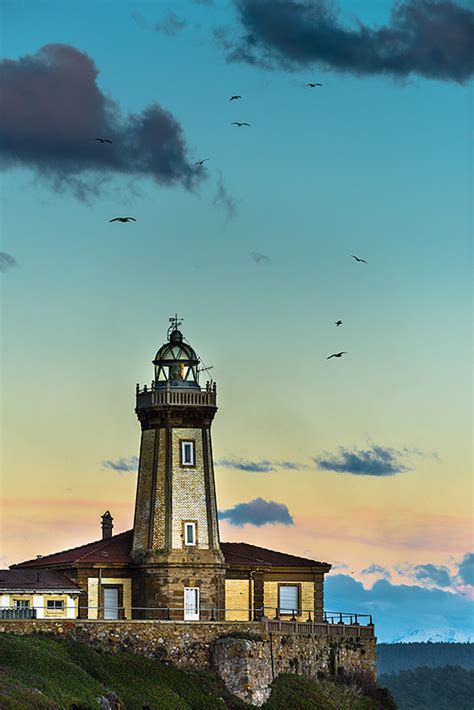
{"points": [[111, 602], [191, 603]]}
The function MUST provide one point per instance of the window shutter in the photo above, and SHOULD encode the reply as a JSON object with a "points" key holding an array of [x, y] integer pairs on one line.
{"points": [[288, 599]]}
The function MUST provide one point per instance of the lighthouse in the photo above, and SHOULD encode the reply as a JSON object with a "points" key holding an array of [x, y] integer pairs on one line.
{"points": [[176, 547]]}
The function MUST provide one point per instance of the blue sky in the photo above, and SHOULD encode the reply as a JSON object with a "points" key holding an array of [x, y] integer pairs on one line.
{"points": [[373, 165]]}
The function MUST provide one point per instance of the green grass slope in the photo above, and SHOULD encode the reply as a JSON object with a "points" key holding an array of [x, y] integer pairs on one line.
{"points": [[42, 671]]}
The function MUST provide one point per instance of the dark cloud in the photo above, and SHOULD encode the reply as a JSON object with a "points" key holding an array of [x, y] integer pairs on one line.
{"points": [[377, 569], [130, 464], [257, 512], [433, 574], [430, 38], [263, 466], [376, 461], [466, 569], [259, 258], [7, 261], [222, 198], [400, 611], [170, 24], [52, 111]]}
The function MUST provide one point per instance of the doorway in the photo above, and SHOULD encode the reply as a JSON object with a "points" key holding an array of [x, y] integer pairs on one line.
{"points": [[191, 603], [111, 603]]}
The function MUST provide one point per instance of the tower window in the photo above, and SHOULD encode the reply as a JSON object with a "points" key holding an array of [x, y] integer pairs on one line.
{"points": [[189, 533], [187, 453]]}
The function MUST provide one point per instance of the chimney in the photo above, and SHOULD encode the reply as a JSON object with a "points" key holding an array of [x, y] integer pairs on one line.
{"points": [[107, 525]]}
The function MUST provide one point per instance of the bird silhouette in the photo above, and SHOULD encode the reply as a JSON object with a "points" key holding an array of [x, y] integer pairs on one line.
{"points": [[233, 98], [338, 322], [103, 140], [236, 123], [357, 259], [313, 85], [337, 355], [201, 162], [123, 219]]}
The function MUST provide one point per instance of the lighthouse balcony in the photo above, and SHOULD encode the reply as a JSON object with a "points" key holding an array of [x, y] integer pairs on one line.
{"points": [[150, 396]]}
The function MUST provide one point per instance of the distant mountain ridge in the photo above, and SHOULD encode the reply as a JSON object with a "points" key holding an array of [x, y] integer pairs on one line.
{"points": [[434, 636]]}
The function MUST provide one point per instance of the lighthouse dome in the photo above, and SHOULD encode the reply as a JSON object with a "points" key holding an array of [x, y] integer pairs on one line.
{"points": [[176, 363]]}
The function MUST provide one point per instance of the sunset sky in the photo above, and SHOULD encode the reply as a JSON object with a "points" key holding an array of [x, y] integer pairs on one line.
{"points": [[363, 461]]}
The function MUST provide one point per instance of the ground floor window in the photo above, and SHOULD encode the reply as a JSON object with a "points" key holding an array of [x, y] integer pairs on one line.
{"points": [[289, 599], [22, 603], [55, 605]]}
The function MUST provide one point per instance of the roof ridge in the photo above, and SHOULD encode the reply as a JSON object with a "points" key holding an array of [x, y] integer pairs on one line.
{"points": [[269, 549]]}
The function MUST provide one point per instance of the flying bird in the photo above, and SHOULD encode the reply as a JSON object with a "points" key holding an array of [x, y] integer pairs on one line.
{"points": [[103, 140], [337, 355], [233, 98], [236, 123], [357, 259], [313, 85], [123, 219], [201, 162], [338, 322]]}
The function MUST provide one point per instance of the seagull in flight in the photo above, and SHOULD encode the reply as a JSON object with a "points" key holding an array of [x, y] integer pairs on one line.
{"points": [[357, 258], [201, 162], [123, 219], [337, 355], [236, 123], [103, 140], [313, 85], [338, 322], [234, 98]]}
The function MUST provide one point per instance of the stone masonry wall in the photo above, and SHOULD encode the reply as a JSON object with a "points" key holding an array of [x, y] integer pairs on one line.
{"points": [[188, 643]]}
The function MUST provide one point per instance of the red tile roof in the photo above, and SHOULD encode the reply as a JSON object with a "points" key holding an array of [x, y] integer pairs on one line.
{"points": [[113, 549], [116, 549], [16, 580]]}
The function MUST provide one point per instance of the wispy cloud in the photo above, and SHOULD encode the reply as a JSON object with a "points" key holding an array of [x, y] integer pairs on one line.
{"points": [[222, 198], [7, 261], [263, 466], [171, 24], [376, 461], [257, 512], [377, 569], [429, 38], [259, 258], [122, 464], [58, 86]]}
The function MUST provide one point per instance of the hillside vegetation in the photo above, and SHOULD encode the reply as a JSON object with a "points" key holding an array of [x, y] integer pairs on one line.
{"points": [[42, 672], [448, 688], [394, 657]]}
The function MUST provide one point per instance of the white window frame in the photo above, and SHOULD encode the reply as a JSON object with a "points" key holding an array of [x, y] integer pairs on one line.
{"points": [[191, 614], [187, 445], [22, 604], [191, 525]]}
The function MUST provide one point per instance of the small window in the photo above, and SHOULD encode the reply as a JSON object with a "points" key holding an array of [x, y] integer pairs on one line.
{"points": [[289, 599], [55, 605], [22, 603], [187, 453], [189, 533]]}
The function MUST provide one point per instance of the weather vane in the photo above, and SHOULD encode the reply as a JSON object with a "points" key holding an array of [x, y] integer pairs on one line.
{"points": [[175, 322]]}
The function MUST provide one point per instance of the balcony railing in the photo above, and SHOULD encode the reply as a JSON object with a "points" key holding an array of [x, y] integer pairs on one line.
{"points": [[148, 397]]}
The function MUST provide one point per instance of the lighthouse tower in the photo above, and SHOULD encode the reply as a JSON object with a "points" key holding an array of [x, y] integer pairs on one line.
{"points": [[176, 549]]}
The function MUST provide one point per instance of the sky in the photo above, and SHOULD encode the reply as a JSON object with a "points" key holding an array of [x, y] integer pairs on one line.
{"points": [[363, 461]]}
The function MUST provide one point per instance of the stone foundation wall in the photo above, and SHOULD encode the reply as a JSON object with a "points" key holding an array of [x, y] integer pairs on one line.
{"points": [[246, 663]]}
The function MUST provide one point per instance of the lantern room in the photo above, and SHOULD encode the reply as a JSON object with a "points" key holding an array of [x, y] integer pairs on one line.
{"points": [[176, 363]]}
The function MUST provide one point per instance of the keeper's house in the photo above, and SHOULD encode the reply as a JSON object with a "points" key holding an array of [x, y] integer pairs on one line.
{"points": [[172, 565], [37, 594]]}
